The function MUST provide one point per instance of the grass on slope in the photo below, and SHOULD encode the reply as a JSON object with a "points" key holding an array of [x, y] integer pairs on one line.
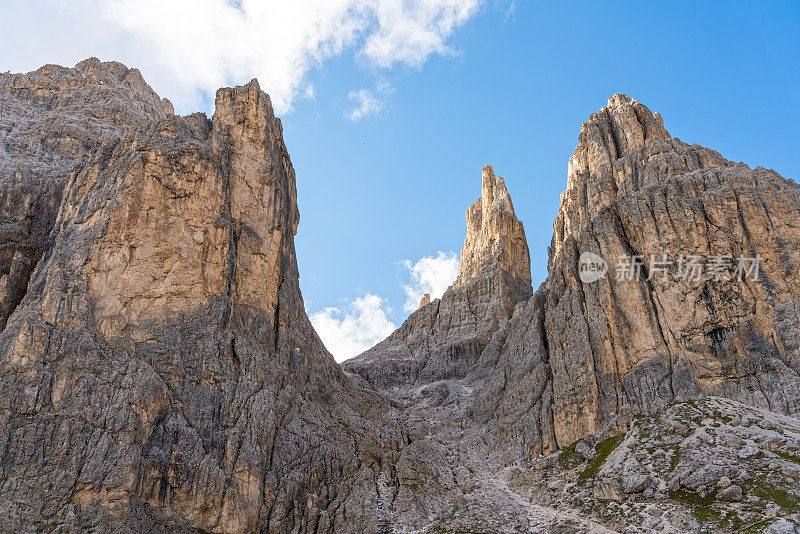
{"points": [[602, 450]]}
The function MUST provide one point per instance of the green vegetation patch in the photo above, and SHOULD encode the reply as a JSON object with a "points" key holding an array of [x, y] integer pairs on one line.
{"points": [[676, 457], [769, 492], [758, 526], [602, 450], [789, 457], [704, 509], [569, 457]]}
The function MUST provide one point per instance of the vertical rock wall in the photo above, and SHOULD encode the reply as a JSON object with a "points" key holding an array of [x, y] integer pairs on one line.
{"points": [[160, 373], [603, 350]]}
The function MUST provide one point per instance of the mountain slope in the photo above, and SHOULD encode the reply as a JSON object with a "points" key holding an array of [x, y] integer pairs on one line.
{"points": [[445, 337]]}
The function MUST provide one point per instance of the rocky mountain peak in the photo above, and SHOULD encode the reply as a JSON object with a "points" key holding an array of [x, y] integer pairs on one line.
{"points": [[445, 339], [495, 237], [51, 120], [621, 148], [625, 124], [425, 300], [618, 130]]}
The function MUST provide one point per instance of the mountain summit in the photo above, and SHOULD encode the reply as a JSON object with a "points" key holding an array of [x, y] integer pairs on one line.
{"points": [[444, 338], [495, 237]]}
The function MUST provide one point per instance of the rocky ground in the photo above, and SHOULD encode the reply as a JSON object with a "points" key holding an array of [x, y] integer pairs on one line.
{"points": [[710, 465]]}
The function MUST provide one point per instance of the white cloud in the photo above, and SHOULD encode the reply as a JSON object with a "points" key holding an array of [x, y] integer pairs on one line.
{"points": [[366, 104], [187, 47], [511, 12], [365, 322], [369, 102], [360, 326], [430, 274], [411, 30]]}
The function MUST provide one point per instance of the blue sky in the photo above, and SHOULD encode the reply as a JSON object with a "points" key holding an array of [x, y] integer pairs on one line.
{"points": [[396, 186], [509, 83]]}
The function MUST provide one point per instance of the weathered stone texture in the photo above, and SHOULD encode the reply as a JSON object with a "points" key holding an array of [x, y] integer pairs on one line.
{"points": [[50, 121], [614, 347], [495, 237], [160, 372]]}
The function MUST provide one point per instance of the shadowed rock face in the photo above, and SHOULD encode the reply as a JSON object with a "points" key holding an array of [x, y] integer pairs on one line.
{"points": [[160, 372], [445, 338]]}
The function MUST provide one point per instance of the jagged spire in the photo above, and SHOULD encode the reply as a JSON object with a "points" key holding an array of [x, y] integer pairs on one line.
{"points": [[495, 237]]}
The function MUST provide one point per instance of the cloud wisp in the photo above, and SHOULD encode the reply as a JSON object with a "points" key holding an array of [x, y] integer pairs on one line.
{"points": [[189, 48], [365, 104], [369, 102], [429, 274], [350, 331]]}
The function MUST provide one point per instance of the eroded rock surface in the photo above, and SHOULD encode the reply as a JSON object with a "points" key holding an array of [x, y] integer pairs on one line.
{"points": [[160, 373], [50, 121], [598, 351], [682, 470]]}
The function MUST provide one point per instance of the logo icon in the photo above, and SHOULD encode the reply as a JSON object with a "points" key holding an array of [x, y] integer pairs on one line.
{"points": [[591, 267]]}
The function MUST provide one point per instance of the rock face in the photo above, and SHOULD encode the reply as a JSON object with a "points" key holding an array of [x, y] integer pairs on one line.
{"points": [[580, 356], [50, 121], [495, 242], [444, 338], [426, 299], [584, 354], [160, 372]]}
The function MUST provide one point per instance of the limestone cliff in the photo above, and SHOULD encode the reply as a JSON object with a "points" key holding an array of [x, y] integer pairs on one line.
{"points": [[582, 355], [495, 239], [160, 373], [50, 121], [445, 338]]}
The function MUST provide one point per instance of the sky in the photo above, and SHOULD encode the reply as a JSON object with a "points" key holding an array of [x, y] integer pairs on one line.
{"points": [[391, 108]]}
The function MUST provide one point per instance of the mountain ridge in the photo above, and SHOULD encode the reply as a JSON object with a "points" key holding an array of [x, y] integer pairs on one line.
{"points": [[158, 371]]}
